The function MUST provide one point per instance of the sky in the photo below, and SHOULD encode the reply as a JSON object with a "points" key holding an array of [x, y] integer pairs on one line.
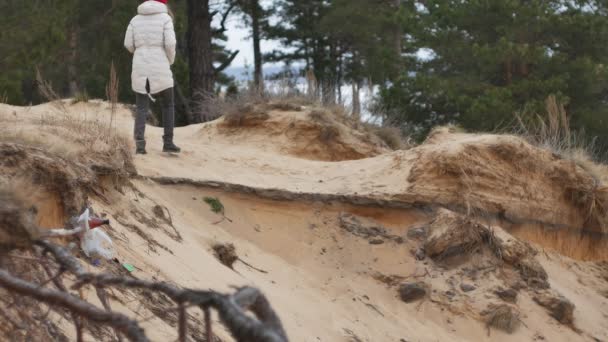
{"points": [[239, 39]]}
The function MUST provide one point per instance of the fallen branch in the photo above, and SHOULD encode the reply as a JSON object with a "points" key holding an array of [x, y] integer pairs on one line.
{"points": [[120, 322], [264, 327], [268, 327], [252, 267], [61, 287]]}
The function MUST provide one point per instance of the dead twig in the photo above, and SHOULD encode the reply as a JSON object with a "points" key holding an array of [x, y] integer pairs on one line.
{"points": [[263, 326], [61, 287], [183, 323], [118, 321], [252, 267]]}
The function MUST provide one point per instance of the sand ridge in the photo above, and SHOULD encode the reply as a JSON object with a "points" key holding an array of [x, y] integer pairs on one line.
{"points": [[287, 215]]}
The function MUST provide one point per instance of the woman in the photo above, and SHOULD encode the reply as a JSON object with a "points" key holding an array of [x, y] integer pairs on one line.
{"points": [[151, 38]]}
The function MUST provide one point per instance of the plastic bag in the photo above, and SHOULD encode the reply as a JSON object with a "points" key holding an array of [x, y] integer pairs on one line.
{"points": [[94, 242]]}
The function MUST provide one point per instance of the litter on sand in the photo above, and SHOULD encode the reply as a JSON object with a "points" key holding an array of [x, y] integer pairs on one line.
{"points": [[129, 267]]}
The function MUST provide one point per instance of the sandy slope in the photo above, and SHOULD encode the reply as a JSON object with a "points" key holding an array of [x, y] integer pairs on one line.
{"points": [[322, 279]]}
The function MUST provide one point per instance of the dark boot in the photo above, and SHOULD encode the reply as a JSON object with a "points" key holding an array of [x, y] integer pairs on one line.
{"points": [[171, 147], [140, 147]]}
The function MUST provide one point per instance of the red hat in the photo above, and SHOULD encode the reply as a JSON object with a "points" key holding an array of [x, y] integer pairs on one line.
{"points": [[163, 1]]}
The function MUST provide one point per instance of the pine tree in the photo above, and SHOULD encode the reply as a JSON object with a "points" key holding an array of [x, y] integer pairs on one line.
{"points": [[490, 59], [256, 17], [298, 31]]}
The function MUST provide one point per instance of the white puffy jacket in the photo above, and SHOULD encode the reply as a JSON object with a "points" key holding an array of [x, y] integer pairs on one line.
{"points": [[151, 38]]}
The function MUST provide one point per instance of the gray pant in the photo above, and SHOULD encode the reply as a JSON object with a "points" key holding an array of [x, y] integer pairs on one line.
{"points": [[167, 108]]}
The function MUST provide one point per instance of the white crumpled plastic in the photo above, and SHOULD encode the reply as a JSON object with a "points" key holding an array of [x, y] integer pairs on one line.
{"points": [[94, 241]]}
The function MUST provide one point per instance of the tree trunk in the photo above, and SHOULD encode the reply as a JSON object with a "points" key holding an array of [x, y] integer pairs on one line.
{"points": [[330, 82], [182, 103], [258, 77], [73, 61], [200, 56], [356, 102], [398, 37]]}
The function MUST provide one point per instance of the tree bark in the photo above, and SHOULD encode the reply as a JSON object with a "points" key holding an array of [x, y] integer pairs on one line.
{"points": [[398, 30], [200, 56], [356, 102], [258, 76], [72, 61]]}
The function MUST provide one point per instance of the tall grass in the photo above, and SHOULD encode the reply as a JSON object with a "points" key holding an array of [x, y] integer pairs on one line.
{"points": [[550, 130], [87, 138], [112, 95]]}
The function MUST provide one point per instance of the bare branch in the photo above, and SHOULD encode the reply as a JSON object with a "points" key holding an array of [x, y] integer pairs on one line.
{"points": [[225, 15], [129, 327], [252, 299], [265, 327], [209, 329], [61, 287], [242, 326], [227, 62], [63, 257], [183, 323]]}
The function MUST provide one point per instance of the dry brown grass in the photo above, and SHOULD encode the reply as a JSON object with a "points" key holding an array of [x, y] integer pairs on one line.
{"points": [[392, 137], [112, 95], [319, 115], [84, 138], [557, 305], [245, 115], [552, 131], [503, 317], [284, 105], [226, 254], [328, 134]]}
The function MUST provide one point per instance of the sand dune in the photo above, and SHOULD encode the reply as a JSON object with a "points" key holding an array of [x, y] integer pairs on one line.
{"points": [[330, 230]]}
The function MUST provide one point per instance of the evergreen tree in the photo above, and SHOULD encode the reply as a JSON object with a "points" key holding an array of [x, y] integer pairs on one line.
{"points": [[256, 17], [298, 30], [490, 59]]}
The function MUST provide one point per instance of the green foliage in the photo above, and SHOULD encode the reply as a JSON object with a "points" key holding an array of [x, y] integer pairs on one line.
{"points": [[37, 34], [215, 204], [491, 59]]}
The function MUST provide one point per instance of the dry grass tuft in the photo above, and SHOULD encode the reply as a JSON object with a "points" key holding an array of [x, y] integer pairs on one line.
{"points": [[245, 115], [452, 235], [319, 115], [226, 254], [112, 94], [284, 105], [558, 307], [503, 317], [83, 138], [552, 132], [328, 134], [391, 136]]}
